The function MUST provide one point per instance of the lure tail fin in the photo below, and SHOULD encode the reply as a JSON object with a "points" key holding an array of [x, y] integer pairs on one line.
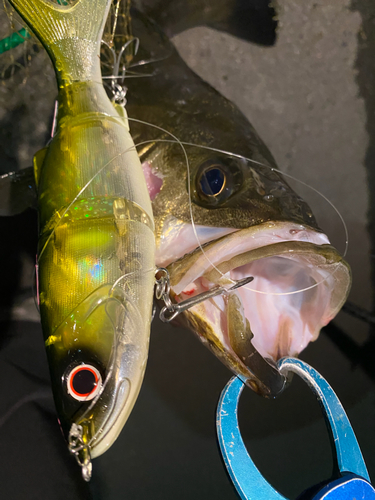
{"points": [[71, 35]]}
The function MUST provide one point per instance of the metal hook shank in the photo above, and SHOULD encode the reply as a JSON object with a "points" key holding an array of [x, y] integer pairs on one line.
{"points": [[173, 309]]}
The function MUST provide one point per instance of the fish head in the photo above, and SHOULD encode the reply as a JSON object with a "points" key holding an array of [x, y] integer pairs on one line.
{"points": [[229, 219], [218, 189]]}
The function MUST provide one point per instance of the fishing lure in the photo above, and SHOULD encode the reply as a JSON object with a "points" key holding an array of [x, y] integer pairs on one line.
{"points": [[96, 245]]}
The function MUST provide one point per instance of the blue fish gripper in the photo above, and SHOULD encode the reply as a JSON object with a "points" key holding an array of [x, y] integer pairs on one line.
{"points": [[354, 481]]}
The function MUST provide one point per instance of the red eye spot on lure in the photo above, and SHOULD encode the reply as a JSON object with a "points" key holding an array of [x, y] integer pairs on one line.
{"points": [[84, 382]]}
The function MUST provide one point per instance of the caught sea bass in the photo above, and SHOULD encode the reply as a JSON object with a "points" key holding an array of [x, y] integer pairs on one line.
{"points": [[248, 220], [96, 246]]}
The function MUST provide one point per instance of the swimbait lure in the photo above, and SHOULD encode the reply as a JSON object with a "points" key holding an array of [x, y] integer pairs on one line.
{"points": [[96, 246]]}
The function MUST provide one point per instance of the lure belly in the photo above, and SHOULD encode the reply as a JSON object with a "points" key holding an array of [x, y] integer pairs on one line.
{"points": [[96, 246]]}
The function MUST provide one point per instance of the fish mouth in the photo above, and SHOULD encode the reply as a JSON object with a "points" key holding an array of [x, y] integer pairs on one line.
{"points": [[300, 283]]}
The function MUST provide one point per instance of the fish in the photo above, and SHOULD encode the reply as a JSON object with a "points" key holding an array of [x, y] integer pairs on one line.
{"points": [[96, 249], [231, 215], [244, 212]]}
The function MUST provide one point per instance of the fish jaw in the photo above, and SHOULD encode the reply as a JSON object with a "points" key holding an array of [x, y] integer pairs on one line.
{"points": [[177, 238], [300, 283]]}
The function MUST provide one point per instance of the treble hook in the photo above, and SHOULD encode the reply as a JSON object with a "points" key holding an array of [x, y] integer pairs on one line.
{"points": [[117, 81], [270, 381]]}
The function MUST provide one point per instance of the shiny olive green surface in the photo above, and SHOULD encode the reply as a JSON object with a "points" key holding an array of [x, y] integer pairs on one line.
{"points": [[96, 246]]}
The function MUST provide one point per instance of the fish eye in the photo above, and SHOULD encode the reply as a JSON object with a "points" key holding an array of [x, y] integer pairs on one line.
{"points": [[83, 382], [215, 181], [212, 181]]}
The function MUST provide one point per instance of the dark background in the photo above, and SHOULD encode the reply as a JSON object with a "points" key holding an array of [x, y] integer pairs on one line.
{"points": [[311, 97]]}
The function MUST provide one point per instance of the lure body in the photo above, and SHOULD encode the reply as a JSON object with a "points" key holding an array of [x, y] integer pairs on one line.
{"points": [[96, 246]]}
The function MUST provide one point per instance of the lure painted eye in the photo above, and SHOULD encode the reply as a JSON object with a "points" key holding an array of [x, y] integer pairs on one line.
{"points": [[84, 382], [212, 181]]}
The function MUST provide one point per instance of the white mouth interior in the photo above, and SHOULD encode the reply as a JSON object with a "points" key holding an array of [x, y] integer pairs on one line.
{"points": [[283, 322]]}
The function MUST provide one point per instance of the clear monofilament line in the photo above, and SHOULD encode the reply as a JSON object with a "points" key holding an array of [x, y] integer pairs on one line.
{"points": [[175, 140], [182, 144], [81, 191]]}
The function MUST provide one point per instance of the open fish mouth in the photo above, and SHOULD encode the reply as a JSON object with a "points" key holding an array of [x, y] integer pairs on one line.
{"points": [[300, 283]]}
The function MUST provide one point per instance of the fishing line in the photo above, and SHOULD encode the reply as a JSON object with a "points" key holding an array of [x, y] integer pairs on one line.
{"points": [[283, 174], [35, 287], [113, 35], [19, 36], [295, 179], [144, 62], [116, 342], [132, 273], [115, 76], [131, 148], [81, 191], [188, 178], [176, 140], [29, 398], [116, 6], [117, 58], [127, 76], [126, 71], [182, 144]]}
